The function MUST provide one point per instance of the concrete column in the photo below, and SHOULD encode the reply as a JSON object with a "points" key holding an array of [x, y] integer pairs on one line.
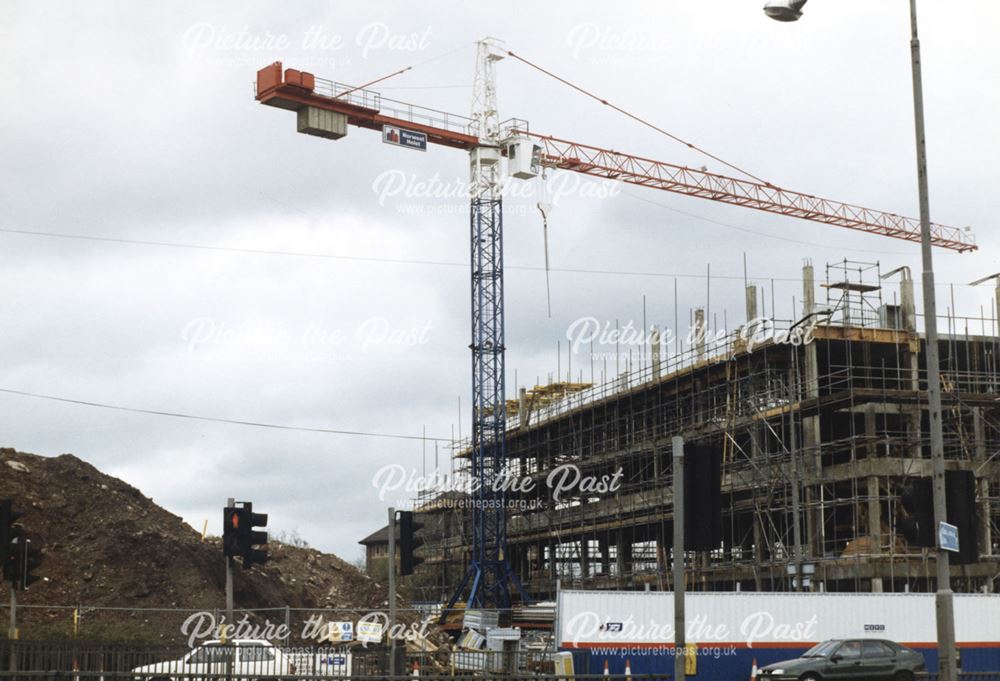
{"points": [[875, 526], [915, 420], [605, 549], [908, 309], [700, 333], [656, 346], [815, 529], [997, 303], [871, 432], [985, 529], [808, 289], [751, 302], [811, 453], [663, 544], [906, 302], [584, 558], [522, 407]]}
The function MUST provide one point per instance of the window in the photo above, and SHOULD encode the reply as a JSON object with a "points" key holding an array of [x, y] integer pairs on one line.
{"points": [[256, 653], [211, 654], [821, 649], [876, 649], [850, 650]]}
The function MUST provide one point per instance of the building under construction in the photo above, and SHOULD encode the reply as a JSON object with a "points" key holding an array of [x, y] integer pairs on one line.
{"points": [[818, 429]]}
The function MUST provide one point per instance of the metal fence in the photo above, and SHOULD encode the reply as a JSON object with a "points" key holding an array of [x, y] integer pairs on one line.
{"points": [[156, 626], [102, 676], [256, 660]]}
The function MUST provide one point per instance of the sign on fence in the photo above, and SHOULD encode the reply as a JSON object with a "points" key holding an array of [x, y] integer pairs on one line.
{"points": [[339, 632], [369, 632]]}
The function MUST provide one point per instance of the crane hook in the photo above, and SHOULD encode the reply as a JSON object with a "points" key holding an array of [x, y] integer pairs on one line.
{"points": [[545, 208]]}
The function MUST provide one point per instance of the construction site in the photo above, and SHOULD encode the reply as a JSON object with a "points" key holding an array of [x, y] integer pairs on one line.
{"points": [[817, 429], [322, 230]]}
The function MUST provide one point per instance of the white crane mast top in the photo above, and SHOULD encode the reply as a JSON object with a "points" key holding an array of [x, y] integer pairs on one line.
{"points": [[485, 158]]}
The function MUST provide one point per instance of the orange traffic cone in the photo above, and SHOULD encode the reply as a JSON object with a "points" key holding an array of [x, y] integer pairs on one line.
{"points": [[753, 670], [606, 672], [416, 668], [628, 668]]}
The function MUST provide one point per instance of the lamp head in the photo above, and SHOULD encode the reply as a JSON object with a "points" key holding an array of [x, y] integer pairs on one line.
{"points": [[784, 10]]}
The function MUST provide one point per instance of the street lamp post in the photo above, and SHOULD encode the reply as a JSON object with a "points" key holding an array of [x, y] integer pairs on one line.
{"points": [[790, 10], [944, 600]]}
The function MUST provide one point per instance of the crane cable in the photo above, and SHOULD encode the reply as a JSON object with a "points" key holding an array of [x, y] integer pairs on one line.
{"points": [[640, 120], [401, 71], [372, 82]]}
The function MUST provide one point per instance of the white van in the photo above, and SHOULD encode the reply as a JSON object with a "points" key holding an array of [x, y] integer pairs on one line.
{"points": [[255, 660]]}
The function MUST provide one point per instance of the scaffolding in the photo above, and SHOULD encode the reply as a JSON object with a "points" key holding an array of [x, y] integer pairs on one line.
{"points": [[820, 424]]}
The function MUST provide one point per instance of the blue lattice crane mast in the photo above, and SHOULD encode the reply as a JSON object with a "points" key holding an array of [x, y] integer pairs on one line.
{"points": [[490, 576]]}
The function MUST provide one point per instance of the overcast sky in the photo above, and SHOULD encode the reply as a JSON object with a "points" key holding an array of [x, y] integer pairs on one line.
{"points": [[136, 121]]}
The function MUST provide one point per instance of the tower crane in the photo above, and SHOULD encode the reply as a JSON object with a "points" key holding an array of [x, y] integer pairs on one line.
{"points": [[325, 108]]}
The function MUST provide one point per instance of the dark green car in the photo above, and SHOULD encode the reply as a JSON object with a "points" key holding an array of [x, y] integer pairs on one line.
{"points": [[852, 659]]}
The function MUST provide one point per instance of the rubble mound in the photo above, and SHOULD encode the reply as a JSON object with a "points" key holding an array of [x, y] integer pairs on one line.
{"points": [[106, 545]]}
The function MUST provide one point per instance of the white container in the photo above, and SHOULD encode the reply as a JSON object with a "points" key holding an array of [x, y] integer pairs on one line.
{"points": [[749, 619]]}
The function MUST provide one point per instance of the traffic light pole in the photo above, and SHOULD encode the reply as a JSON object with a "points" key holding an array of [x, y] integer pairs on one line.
{"points": [[229, 577], [680, 643], [12, 633], [229, 600], [391, 565]]}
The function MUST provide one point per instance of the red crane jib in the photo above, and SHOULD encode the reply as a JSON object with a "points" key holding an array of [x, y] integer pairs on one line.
{"points": [[294, 89]]}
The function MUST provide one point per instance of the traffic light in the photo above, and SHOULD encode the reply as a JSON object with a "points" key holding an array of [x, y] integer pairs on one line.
{"points": [[917, 524], [17, 554], [10, 540], [12, 559], [408, 543], [232, 519], [254, 537], [239, 536], [8, 516], [28, 558]]}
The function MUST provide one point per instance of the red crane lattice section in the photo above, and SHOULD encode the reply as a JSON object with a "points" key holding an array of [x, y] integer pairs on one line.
{"points": [[292, 89], [581, 158]]}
